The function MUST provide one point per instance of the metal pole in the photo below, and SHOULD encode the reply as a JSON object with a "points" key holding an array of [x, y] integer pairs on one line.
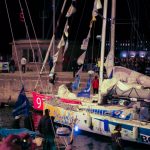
{"points": [[102, 48], [113, 20], [53, 27]]}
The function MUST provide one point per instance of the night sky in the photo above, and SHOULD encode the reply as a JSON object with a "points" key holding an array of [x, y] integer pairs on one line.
{"points": [[132, 20]]}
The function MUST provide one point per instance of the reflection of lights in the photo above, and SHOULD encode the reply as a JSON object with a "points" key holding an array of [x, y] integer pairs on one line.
{"points": [[76, 128], [132, 56]]}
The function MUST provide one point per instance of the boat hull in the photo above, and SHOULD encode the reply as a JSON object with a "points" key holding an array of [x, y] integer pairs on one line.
{"points": [[103, 125]]}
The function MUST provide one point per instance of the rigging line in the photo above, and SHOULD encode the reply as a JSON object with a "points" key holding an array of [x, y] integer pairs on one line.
{"points": [[53, 4], [73, 47], [51, 23], [13, 40], [142, 24], [51, 42], [146, 14], [33, 29], [36, 42], [133, 25], [27, 32], [53, 37]]}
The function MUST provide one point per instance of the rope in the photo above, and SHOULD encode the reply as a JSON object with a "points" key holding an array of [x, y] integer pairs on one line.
{"points": [[13, 41], [53, 37], [37, 45]]}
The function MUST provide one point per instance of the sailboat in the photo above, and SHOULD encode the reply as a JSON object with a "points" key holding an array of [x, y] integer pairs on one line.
{"points": [[100, 114]]}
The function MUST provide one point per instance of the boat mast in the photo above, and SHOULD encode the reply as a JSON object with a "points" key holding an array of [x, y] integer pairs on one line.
{"points": [[53, 37], [102, 49], [53, 27], [113, 21]]}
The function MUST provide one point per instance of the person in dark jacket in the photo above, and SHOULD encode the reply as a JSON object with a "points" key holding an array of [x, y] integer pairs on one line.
{"points": [[16, 122], [46, 128], [12, 65], [116, 138], [28, 122]]}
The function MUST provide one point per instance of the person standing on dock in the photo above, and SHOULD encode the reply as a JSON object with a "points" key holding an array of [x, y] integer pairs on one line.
{"points": [[12, 65], [116, 138], [47, 130], [23, 64], [28, 122]]}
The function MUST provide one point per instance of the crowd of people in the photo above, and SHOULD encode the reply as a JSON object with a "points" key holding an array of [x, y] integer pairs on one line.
{"points": [[137, 64]]}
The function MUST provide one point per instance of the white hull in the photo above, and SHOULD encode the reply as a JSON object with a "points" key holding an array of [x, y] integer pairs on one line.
{"points": [[132, 130]]}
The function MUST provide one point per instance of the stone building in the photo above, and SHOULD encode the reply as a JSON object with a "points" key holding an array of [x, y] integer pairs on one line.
{"points": [[34, 51]]}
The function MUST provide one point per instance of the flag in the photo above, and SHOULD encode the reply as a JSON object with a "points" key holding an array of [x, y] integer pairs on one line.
{"points": [[76, 83], [81, 58], [61, 42], [71, 11], [79, 71], [55, 57], [22, 105], [66, 47], [52, 70], [109, 64], [86, 91], [66, 29], [97, 5], [85, 42]]}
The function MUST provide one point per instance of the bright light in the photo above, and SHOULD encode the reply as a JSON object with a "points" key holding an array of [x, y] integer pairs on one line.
{"points": [[76, 128], [122, 116]]}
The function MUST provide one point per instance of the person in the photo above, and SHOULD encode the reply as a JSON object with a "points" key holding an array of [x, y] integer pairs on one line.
{"points": [[95, 85], [116, 138], [52, 80], [50, 63], [46, 129], [23, 64], [16, 122], [28, 122], [12, 65]]}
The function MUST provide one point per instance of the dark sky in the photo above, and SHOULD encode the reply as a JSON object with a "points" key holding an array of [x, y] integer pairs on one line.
{"points": [[132, 20]]}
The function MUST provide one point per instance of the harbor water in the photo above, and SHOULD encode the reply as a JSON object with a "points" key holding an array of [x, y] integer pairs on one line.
{"points": [[82, 140]]}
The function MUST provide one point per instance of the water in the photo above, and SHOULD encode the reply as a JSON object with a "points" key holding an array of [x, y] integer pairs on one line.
{"points": [[82, 140]]}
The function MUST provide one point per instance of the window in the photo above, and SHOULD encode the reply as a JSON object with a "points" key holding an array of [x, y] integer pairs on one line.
{"points": [[36, 55], [31, 56], [44, 50]]}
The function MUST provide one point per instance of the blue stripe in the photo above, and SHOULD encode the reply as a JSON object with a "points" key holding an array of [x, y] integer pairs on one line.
{"points": [[144, 131]]}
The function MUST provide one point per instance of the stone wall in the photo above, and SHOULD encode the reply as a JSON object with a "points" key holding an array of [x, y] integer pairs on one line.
{"points": [[11, 83]]}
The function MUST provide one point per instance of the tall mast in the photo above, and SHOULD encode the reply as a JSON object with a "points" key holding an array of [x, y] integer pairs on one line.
{"points": [[113, 21], [43, 17], [53, 38], [53, 27], [102, 48]]}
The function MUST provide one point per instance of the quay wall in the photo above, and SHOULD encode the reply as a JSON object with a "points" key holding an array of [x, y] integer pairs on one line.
{"points": [[11, 83]]}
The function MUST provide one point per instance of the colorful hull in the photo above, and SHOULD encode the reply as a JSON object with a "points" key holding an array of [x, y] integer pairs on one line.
{"points": [[135, 130]]}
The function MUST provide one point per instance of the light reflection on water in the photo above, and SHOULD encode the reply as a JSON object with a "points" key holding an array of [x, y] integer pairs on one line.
{"points": [[82, 140]]}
